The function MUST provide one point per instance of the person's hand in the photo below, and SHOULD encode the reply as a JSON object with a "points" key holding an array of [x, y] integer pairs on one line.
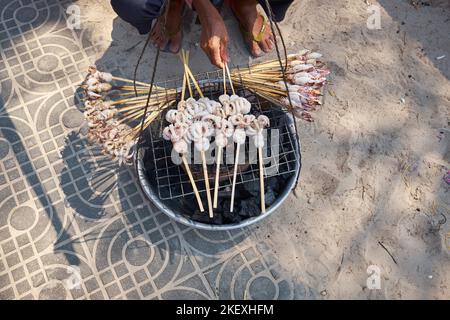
{"points": [[214, 37], [214, 41]]}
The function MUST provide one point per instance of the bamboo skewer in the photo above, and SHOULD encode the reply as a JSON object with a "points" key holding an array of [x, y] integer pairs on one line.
{"points": [[183, 90], [219, 151], [188, 73], [216, 183], [233, 186], [208, 192], [224, 80], [186, 83], [131, 81], [229, 77], [261, 181], [194, 186]]}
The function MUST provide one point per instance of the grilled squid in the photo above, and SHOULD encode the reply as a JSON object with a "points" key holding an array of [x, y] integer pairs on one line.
{"points": [[239, 136], [221, 139], [180, 146], [202, 144], [171, 115]]}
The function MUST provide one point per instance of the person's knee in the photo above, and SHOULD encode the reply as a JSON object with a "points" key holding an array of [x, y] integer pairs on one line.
{"points": [[129, 8], [138, 13]]}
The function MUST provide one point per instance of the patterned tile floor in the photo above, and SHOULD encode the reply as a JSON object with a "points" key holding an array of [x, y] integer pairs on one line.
{"points": [[72, 224]]}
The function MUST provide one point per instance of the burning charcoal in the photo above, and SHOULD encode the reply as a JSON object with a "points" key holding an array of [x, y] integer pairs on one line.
{"points": [[249, 208]]}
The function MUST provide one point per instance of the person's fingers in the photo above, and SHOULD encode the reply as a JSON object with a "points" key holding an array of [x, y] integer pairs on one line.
{"points": [[271, 43], [175, 43], [208, 51], [224, 51], [255, 49], [216, 58], [161, 42], [271, 40], [264, 45], [156, 39]]}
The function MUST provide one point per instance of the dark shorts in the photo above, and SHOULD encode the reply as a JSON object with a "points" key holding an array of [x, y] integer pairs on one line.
{"points": [[140, 13]]}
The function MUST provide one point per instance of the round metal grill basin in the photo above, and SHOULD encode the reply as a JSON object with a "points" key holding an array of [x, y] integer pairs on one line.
{"points": [[149, 182]]}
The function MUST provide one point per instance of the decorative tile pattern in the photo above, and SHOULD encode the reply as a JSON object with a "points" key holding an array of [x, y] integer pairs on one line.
{"points": [[66, 210]]}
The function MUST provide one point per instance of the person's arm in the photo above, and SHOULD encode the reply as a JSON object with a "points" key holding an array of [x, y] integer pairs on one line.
{"points": [[214, 38]]}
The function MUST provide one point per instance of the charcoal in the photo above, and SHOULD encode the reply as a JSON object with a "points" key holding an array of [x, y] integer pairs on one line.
{"points": [[225, 193], [270, 196], [189, 205], [272, 183], [231, 217], [284, 178], [226, 204], [252, 187], [204, 218], [249, 208]]}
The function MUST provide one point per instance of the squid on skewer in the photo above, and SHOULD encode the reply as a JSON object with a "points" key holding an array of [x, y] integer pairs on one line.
{"points": [[176, 133], [224, 131], [200, 132], [256, 130]]}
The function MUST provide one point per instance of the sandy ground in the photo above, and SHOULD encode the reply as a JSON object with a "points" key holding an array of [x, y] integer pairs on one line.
{"points": [[371, 189]]}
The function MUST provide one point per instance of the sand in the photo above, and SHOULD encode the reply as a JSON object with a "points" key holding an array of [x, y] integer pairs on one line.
{"points": [[371, 190]]}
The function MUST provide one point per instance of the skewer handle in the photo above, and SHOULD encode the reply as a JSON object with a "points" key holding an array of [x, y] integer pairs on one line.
{"points": [[194, 186], [233, 186], [216, 185], [261, 181], [229, 77], [131, 81], [208, 192]]}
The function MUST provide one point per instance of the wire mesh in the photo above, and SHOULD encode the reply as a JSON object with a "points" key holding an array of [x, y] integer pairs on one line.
{"points": [[279, 155]]}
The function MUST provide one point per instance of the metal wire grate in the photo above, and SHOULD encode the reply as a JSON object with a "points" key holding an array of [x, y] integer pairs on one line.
{"points": [[279, 155]]}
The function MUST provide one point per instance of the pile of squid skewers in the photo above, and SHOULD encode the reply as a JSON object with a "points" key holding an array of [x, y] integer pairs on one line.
{"points": [[114, 113], [197, 121], [115, 124]]}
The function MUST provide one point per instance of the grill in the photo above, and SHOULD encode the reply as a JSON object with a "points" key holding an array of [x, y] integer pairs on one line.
{"points": [[279, 151], [166, 183]]}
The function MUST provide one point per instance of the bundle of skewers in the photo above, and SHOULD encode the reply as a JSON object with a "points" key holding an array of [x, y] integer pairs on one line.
{"points": [[114, 112], [306, 74], [196, 121]]}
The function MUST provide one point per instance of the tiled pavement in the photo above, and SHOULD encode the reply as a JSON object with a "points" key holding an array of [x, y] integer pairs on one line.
{"points": [[65, 208]]}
